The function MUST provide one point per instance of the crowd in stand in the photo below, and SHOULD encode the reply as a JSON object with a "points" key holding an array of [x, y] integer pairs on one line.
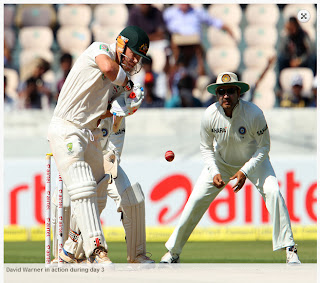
{"points": [[178, 31]]}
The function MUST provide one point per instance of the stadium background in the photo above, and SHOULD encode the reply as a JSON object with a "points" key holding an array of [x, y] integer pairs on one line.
{"points": [[149, 134]]}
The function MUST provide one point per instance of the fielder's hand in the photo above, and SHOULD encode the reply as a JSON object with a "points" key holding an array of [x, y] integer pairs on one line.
{"points": [[217, 181], [241, 179]]}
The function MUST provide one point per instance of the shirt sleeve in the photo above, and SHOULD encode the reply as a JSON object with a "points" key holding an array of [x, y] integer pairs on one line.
{"points": [[99, 48], [206, 144], [261, 134], [209, 20]]}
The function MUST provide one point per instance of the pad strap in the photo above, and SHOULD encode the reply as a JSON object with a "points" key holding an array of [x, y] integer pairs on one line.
{"points": [[74, 236]]}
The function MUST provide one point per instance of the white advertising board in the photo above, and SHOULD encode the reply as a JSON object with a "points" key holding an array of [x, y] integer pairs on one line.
{"points": [[166, 187]]}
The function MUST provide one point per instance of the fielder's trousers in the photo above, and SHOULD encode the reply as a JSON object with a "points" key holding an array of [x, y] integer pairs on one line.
{"points": [[204, 193]]}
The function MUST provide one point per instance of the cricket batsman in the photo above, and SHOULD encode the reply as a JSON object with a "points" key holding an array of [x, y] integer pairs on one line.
{"points": [[129, 198], [100, 74]]}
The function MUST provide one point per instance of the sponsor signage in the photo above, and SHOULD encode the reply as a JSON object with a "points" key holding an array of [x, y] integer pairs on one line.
{"points": [[167, 187]]}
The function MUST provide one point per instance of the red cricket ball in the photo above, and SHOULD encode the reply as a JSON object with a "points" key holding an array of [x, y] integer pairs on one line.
{"points": [[169, 155]]}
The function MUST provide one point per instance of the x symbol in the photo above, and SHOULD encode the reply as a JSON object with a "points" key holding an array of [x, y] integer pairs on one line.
{"points": [[303, 16]]}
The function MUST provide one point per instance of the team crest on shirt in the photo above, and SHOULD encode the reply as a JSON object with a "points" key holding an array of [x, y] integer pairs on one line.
{"points": [[69, 146], [104, 47], [225, 78], [104, 132], [242, 130]]}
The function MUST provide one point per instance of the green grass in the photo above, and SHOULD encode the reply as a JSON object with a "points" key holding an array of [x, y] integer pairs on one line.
{"points": [[193, 252]]}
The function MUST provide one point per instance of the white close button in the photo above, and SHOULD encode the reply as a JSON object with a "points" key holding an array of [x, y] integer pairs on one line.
{"points": [[303, 16]]}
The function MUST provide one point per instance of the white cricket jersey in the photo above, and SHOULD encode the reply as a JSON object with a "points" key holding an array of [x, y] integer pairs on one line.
{"points": [[86, 92], [241, 141], [112, 141]]}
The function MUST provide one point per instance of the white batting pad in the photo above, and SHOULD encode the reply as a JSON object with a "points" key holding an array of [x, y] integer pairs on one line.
{"points": [[133, 209], [132, 195], [80, 252], [101, 202], [83, 195], [74, 243], [102, 192], [88, 220], [82, 182], [74, 235]]}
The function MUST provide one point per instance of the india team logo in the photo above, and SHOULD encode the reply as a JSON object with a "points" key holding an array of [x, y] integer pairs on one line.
{"points": [[242, 130], [225, 78], [104, 132]]}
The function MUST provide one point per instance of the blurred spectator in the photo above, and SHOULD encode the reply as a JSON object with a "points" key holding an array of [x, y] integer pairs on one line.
{"points": [[150, 19], [7, 101], [185, 98], [43, 88], [185, 20], [296, 48], [30, 97], [160, 87], [213, 98], [7, 59], [181, 69], [313, 102], [65, 67], [294, 97], [184, 23], [150, 99], [249, 95]]}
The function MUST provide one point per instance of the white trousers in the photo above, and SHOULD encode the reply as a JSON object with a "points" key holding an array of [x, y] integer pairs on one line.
{"points": [[204, 193], [85, 147], [70, 144]]}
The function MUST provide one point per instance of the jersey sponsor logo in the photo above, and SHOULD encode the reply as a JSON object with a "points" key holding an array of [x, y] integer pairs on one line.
{"points": [[103, 47], [121, 131], [104, 132], [242, 130], [262, 130], [219, 130]]}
